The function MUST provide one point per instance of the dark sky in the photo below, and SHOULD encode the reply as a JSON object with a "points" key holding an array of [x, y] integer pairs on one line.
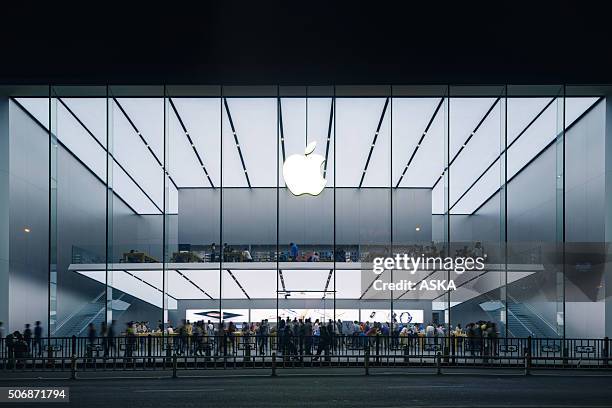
{"points": [[306, 42]]}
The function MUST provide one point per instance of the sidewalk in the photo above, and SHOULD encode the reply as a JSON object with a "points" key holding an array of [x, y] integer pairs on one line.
{"points": [[306, 372]]}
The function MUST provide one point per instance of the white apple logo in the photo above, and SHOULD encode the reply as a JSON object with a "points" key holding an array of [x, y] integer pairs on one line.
{"points": [[302, 174]]}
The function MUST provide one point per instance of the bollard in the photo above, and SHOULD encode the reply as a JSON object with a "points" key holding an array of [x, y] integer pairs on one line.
{"points": [[73, 367], [366, 362], [439, 363], [274, 364], [174, 366]]}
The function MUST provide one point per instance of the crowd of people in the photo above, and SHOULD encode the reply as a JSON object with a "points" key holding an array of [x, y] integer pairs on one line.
{"points": [[289, 336], [22, 344]]}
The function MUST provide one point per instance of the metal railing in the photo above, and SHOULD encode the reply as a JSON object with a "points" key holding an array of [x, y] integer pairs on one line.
{"points": [[157, 352]]}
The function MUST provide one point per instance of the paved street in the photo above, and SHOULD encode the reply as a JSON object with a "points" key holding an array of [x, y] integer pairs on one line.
{"points": [[346, 388]]}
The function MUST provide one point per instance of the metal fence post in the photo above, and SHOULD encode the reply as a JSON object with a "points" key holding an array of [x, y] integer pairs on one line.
{"points": [[377, 340], [527, 353], [73, 345], [73, 367], [439, 363], [366, 362], [174, 365], [274, 364], [606, 350]]}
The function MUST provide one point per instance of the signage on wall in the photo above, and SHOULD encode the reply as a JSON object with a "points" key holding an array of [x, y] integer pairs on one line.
{"points": [[302, 173]]}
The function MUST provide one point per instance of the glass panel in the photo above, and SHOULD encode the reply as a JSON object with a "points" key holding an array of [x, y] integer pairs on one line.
{"points": [[477, 202], [419, 202], [79, 181], [135, 279], [363, 202], [250, 143], [535, 215], [28, 276], [585, 208]]}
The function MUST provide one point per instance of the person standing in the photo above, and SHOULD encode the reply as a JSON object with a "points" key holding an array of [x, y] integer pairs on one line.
{"points": [[111, 337], [213, 250], [104, 335], [293, 251], [27, 336], [280, 333], [91, 337], [38, 332]]}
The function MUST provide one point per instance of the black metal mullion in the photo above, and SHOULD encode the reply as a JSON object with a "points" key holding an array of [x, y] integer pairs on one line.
{"points": [[282, 130], [329, 130], [50, 220], [164, 240]]}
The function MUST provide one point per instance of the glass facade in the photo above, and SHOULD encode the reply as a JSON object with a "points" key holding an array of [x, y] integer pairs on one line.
{"points": [[164, 203]]}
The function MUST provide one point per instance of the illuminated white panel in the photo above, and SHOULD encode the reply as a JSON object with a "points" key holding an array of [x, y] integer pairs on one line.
{"points": [[297, 280], [255, 121], [379, 168], [294, 127], [486, 186], [129, 284], [533, 140], [92, 112], [38, 107], [521, 111], [410, 118], [125, 188], [148, 116], [202, 118], [208, 280], [465, 114], [181, 288], [182, 162], [259, 284], [356, 122], [229, 287], [482, 150], [129, 150], [428, 163], [348, 284], [79, 142], [318, 127], [574, 107]]}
